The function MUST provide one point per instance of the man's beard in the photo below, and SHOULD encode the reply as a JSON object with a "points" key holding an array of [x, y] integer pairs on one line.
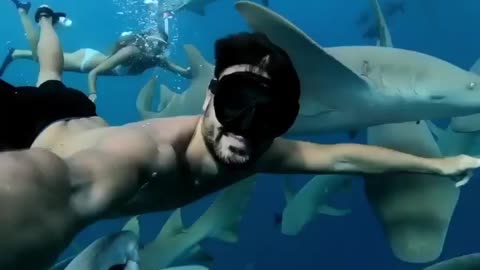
{"points": [[214, 148]]}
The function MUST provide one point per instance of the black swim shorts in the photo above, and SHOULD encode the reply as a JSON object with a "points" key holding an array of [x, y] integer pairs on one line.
{"points": [[25, 111]]}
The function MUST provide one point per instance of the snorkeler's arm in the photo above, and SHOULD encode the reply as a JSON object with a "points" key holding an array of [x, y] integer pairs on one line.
{"points": [[169, 65], [120, 57], [289, 156]]}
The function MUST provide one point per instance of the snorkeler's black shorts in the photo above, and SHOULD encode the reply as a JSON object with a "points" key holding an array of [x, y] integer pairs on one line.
{"points": [[25, 111]]}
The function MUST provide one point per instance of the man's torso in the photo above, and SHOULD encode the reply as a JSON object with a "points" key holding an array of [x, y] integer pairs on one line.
{"points": [[181, 175]]}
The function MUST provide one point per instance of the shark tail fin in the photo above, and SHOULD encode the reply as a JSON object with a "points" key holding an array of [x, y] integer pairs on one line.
{"points": [[145, 98], [132, 225], [222, 219], [166, 96], [173, 226]]}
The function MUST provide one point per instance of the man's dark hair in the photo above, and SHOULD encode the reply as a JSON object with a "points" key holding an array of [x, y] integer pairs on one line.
{"points": [[251, 49]]}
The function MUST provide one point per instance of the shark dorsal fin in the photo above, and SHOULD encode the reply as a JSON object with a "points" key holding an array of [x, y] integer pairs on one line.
{"points": [[173, 226], [385, 39], [132, 225], [475, 68]]}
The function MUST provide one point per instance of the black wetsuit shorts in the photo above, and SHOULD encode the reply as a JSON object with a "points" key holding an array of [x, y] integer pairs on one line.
{"points": [[27, 111]]}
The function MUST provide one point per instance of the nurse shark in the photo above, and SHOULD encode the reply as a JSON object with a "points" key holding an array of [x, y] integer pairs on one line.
{"points": [[345, 88]]}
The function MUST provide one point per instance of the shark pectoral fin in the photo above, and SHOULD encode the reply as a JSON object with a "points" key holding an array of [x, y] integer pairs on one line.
{"points": [[466, 124], [322, 76], [288, 189], [166, 96], [132, 225], [145, 99], [173, 226], [332, 211]]}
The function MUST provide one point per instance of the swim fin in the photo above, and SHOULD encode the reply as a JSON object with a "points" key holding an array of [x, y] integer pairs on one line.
{"points": [[22, 5], [6, 61], [45, 11]]}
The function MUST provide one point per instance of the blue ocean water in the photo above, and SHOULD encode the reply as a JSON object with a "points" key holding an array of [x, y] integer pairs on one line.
{"points": [[445, 29]]}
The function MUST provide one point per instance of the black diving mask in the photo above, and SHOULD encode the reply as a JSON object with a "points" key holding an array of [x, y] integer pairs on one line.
{"points": [[250, 105]]}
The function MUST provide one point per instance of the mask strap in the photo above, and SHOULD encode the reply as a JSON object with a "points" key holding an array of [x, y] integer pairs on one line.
{"points": [[213, 85]]}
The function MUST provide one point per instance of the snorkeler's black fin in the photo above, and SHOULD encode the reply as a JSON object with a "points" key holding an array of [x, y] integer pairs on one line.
{"points": [[22, 5], [45, 11], [6, 61]]}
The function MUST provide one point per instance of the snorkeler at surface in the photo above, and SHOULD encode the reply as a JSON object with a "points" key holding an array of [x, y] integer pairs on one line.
{"points": [[132, 55], [79, 169]]}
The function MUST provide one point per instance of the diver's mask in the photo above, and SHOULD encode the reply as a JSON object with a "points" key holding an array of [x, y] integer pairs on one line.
{"points": [[252, 106]]}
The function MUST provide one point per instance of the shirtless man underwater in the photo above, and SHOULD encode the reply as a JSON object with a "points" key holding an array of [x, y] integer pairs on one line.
{"points": [[79, 170]]}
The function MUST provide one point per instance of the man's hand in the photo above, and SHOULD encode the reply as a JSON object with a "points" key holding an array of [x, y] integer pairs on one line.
{"points": [[461, 167]]}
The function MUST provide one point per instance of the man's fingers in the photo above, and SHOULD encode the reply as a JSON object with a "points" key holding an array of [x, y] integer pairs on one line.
{"points": [[465, 179]]}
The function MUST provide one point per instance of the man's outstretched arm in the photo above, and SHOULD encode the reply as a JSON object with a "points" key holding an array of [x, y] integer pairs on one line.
{"points": [[288, 156]]}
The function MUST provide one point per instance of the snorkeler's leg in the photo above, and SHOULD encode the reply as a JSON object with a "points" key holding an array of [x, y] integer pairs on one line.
{"points": [[72, 61], [50, 53], [28, 26], [121, 57]]}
